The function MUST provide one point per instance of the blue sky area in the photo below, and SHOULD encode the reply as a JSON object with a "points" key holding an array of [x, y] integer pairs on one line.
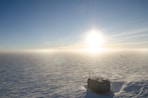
{"points": [[43, 24]]}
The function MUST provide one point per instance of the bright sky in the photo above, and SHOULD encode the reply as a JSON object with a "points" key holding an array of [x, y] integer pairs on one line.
{"points": [[45, 24]]}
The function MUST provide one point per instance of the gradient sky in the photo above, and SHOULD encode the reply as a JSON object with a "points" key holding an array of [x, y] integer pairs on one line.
{"points": [[43, 24]]}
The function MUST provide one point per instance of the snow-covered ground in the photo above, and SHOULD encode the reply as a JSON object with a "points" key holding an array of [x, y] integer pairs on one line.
{"points": [[64, 75]]}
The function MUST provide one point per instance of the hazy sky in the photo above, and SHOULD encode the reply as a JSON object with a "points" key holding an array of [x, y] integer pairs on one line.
{"points": [[31, 24]]}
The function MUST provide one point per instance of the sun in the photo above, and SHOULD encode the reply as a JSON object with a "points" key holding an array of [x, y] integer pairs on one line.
{"points": [[94, 40]]}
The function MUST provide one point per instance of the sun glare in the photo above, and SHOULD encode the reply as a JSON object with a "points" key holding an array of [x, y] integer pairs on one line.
{"points": [[94, 41]]}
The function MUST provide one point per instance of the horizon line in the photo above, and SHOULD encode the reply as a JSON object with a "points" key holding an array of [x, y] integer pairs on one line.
{"points": [[71, 50]]}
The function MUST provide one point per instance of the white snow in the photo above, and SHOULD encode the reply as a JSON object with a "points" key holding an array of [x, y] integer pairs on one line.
{"points": [[63, 75]]}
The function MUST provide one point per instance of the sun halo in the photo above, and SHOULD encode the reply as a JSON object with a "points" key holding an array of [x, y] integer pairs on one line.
{"points": [[94, 41]]}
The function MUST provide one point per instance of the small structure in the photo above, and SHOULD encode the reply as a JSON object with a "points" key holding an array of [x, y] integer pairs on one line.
{"points": [[99, 85]]}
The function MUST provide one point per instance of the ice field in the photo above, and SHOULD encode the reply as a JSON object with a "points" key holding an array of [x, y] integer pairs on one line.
{"points": [[64, 75]]}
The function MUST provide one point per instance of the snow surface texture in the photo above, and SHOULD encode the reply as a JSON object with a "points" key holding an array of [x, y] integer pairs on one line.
{"points": [[61, 75]]}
